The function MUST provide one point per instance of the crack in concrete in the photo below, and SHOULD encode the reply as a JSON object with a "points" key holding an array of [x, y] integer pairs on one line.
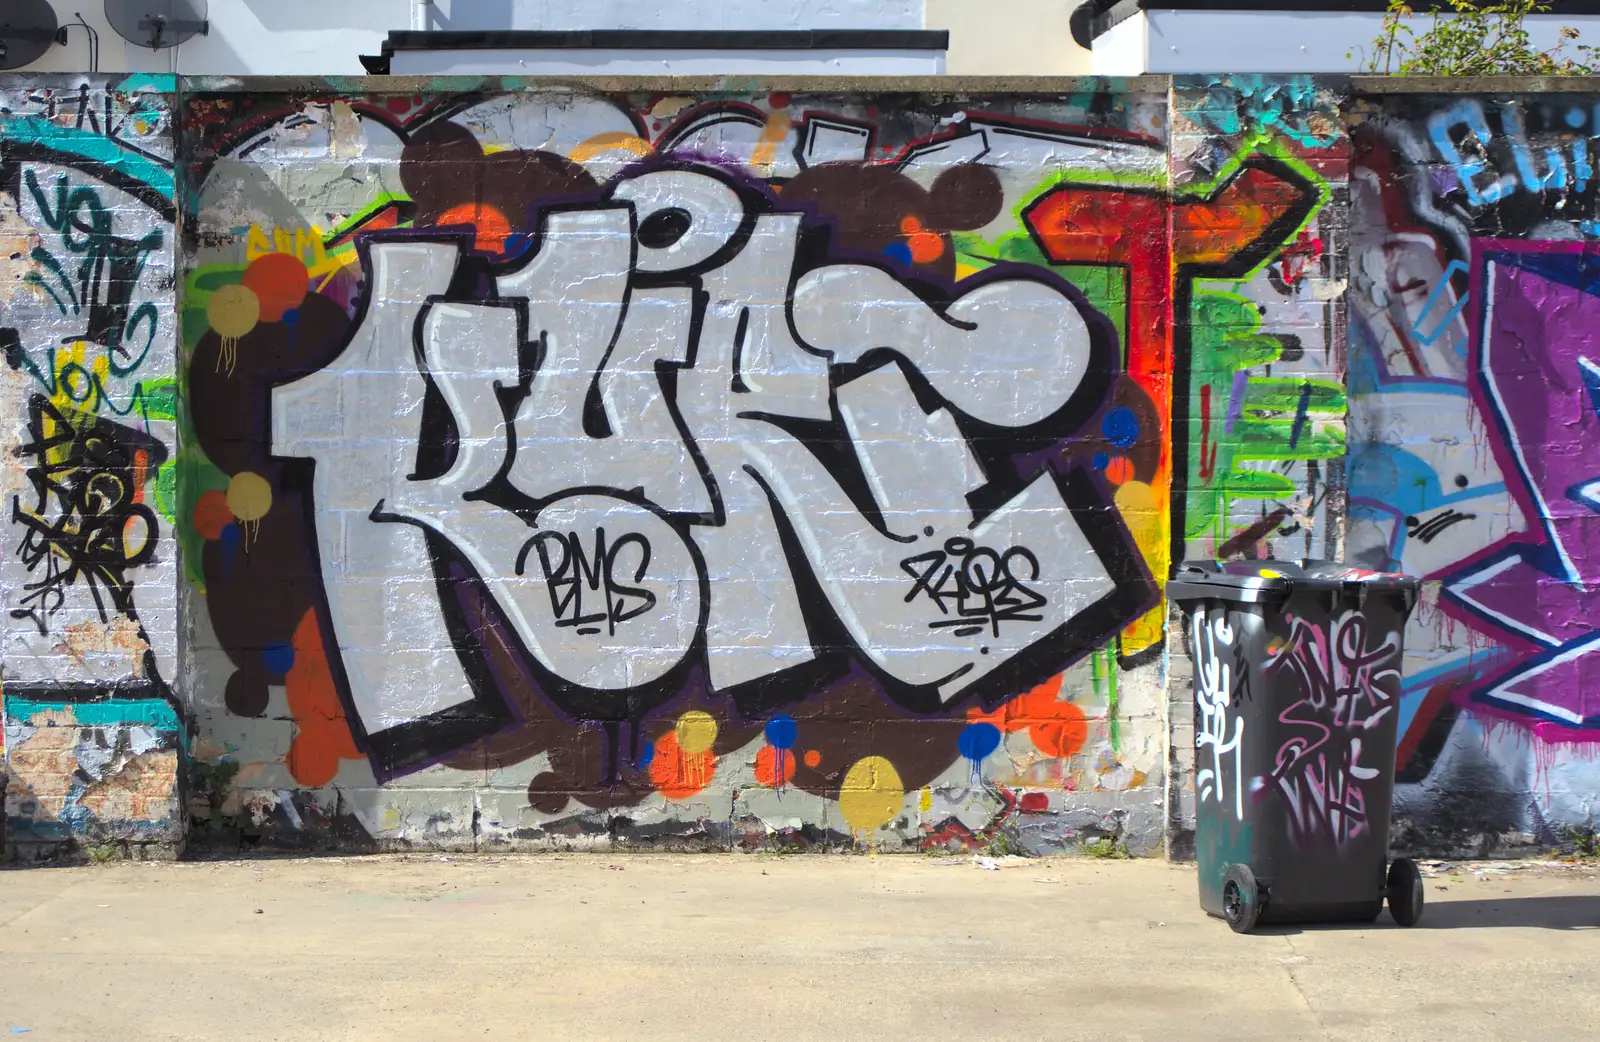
{"points": [[1298, 990]]}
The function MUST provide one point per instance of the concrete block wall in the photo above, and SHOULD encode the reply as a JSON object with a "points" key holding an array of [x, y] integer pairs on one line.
{"points": [[704, 465], [89, 561]]}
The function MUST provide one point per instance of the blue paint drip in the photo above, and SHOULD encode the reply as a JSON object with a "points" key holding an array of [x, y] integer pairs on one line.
{"points": [[782, 731], [647, 753], [1101, 461], [1121, 427], [278, 658], [229, 538], [1581, 171], [976, 742], [898, 251], [291, 318], [1300, 415]]}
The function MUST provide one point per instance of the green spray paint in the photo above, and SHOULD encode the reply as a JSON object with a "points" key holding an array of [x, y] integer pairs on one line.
{"points": [[152, 712], [1103, 670], [86, 144]]}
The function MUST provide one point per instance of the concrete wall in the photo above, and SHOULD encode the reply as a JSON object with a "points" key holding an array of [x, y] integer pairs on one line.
{"points": [[89, 411], [670, 464], [1473, 416], [693, 522]]}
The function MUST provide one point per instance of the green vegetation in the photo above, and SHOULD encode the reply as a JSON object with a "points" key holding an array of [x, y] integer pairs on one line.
{"points": [[1004, 844], [1107, 848], [1584, 841], [1475, 38], [105, 852]]}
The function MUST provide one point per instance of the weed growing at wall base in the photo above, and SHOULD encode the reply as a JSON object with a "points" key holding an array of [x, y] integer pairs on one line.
{"points": [[1474, 39], [1584, 842]]}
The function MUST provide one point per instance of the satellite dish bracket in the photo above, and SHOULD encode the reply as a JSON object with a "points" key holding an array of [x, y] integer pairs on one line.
{"points": [[160, 24], [58, 34]]}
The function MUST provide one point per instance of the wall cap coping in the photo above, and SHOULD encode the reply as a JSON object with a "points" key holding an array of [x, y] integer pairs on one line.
{"points": [[939, 85], [1151, 83]]}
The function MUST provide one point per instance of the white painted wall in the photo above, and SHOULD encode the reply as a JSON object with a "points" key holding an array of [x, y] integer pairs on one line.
{"points": [[679, 14], [326, 37], [1269, 42], [1009, 38], [264, 37], [618, 62], [1122, 49]]}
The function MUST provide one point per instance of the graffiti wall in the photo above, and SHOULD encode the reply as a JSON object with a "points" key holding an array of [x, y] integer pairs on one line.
{"points": [[88, 488], [1474, 392], [1259, 348], [487, 465], [747, 468]]}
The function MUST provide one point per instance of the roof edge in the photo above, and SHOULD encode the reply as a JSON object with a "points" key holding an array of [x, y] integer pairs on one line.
{"points": [[667, 39]]}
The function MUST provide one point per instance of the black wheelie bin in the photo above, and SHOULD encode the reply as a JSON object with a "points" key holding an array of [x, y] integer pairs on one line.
{"points": [[1297, 669]]}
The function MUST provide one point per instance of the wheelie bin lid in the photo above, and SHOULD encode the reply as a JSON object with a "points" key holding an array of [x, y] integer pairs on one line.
{"points": [[1252, 581]]}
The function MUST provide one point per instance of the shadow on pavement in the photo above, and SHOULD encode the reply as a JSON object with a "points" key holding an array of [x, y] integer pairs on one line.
{"points": [[1566, 912]]}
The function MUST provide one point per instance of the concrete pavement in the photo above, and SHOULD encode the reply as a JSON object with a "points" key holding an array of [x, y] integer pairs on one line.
{"points": [[743, 946]]}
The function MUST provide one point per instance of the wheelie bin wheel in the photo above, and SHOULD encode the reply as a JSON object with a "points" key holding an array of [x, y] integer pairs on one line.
{"points": [[1405, 891], [1241, 900]]}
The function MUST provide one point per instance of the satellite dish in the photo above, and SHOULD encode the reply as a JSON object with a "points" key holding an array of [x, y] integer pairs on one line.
{"points": [[157, 23], [27, 29]]}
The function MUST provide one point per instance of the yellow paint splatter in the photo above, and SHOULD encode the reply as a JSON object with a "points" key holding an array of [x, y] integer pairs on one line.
{"points": [[232, 311], [80, 387], [610, 141], [670, 106], [772, 135], [249, 496], [305, 243], [871, 795], [696, 732], [1144, 510], [926, 803]]}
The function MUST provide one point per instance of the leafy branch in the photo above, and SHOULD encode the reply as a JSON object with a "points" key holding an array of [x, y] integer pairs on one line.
{"points": [[1475, 38]]}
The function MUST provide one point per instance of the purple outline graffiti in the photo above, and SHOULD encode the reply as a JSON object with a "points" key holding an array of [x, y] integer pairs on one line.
{"points": [[1535, 358]]}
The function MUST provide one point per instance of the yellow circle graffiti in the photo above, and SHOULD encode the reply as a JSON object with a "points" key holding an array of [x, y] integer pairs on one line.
{"points": [[696, 732], [249, 496], [232, 311], [872, 794]]}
